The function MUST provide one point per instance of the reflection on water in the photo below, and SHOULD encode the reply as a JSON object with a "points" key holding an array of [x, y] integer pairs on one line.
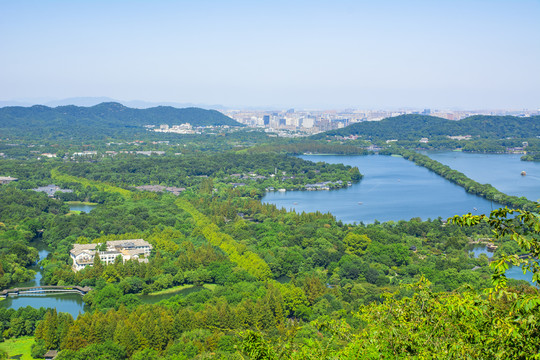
{"points": [[83, 208], [481, 249], [70, 303]]}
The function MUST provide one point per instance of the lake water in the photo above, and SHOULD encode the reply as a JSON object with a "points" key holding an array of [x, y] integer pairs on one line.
{"points": [[514, 272], [70, 303], [481, 249], [81, 207], [392, 189], [503, 171]]}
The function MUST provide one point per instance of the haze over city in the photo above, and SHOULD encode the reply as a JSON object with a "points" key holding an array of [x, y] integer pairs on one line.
{"points": [[280, 54]]}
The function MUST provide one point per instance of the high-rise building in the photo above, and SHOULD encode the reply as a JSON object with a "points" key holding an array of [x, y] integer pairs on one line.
{"points": [[308, 122], [266, 120]]}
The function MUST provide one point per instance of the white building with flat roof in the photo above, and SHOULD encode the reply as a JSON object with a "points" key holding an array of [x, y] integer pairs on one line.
{"points": [[6, 179], [134, 249]]}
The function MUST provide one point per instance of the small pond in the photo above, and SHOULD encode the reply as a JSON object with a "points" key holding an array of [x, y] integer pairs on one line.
{"points": [[481, 249], [80, 206]]}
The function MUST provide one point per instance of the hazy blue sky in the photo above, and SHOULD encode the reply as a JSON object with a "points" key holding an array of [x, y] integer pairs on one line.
{"points": [[316, 54]]}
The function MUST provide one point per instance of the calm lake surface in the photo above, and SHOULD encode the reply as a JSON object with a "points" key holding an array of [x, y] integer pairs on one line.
{"points": [[514, 272], [503, 171], [70, 303], [481, 249], [392, 189]]}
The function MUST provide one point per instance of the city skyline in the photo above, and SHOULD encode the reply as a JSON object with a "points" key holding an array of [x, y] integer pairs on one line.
{"points": [[310, 55]]}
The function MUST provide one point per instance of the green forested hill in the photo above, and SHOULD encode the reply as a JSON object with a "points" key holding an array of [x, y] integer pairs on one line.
{"points": [[102, 120], [413, 127]]}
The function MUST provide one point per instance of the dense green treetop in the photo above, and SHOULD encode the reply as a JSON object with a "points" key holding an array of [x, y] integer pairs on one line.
{"points": [[266, 169], [531, 157]]}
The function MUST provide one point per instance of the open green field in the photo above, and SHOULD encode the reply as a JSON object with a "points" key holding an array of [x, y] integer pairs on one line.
{"points": [[180, 288], [19, 348]]}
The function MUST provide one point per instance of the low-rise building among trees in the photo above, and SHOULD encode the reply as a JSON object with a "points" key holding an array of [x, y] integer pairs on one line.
{"points": [[6, 179], [135, 249]]}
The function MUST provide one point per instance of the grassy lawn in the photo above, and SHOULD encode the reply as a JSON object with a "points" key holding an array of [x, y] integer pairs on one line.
{"points": [[180, 288], [19, 348]]}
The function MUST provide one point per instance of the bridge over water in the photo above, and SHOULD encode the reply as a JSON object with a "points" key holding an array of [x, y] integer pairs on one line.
{"points": [[45, 290]]}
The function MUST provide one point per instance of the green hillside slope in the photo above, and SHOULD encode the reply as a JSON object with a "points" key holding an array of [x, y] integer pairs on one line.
{"points": [[102, 120]]}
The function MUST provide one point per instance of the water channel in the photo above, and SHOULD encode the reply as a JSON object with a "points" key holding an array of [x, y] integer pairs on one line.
{"points": [[70, 303]]}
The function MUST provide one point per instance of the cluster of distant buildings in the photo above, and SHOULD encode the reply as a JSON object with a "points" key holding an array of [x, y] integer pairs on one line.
{"points": [[185, 128], [112, 153], [160, 188], [291, 120], [325, 185], [51, 189], [177, 129], [311, 122]]}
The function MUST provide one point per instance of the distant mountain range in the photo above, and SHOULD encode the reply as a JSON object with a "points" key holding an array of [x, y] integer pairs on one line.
{"points": [[107, 119], [414, 127], [92, 101]]}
